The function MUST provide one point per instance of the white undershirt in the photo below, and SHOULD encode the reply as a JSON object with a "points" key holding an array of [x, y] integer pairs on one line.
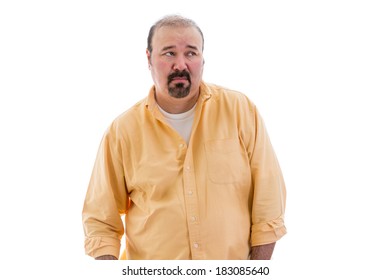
{"points": [[182, 123]]}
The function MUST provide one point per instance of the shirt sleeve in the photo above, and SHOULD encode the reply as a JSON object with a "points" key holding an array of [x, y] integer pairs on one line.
{"points": [[269, 195], [106, 199]]}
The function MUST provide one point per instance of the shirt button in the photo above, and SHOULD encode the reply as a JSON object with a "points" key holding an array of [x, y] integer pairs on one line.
{"points": [[181, 146], [189, 192], [188, 168], [193, 218], [196, 245]]}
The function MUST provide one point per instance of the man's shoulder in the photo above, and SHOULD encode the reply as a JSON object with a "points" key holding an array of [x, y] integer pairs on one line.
{"points": [[218, 89], [224, 94], [134, 110], [130, 116]]}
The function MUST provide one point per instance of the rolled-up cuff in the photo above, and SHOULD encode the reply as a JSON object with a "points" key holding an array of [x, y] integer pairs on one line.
{"points": [[100, 246], [269, 232]]}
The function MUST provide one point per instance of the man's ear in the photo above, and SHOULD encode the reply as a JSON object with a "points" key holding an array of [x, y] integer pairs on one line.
{"points": [[148, 55]]}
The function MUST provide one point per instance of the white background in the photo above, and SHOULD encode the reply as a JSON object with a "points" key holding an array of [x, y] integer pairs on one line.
{"points": [[319, 72]]}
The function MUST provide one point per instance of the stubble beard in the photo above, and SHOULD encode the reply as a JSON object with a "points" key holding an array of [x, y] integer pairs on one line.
{"points": [[179, 90]]}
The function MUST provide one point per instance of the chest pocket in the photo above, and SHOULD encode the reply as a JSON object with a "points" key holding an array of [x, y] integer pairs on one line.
{"points": [[227, 162]]}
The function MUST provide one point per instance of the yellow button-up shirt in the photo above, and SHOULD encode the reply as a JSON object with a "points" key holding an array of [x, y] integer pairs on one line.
{"points": [[211, 199]]}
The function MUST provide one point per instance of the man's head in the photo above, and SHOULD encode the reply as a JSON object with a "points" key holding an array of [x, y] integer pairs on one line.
{"points": [[175, 56], [174, 21]]}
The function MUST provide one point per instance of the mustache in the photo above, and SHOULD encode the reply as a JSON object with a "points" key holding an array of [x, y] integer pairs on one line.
{"points": [[179, 74]]}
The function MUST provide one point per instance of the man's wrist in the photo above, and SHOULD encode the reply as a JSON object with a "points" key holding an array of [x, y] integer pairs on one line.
{"points": [[262, 252], [106, 257]]}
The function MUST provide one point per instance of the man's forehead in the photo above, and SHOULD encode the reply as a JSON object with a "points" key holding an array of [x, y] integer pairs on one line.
{"points": [[171, 35]]}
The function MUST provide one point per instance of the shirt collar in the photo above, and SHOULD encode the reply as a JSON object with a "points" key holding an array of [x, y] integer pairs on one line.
{"points": [[151, 104]]}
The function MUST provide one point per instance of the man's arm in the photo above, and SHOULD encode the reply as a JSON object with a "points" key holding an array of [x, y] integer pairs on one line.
{"points": [[262, 252], [106, 199], [106, 257], [269, 193]]}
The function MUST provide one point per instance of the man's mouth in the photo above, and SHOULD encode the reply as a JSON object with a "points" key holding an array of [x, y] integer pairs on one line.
{"points": [[179, 77]]}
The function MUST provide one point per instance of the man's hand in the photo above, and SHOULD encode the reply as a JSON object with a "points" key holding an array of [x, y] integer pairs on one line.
{"points": [[262, 252], [106, 257]]}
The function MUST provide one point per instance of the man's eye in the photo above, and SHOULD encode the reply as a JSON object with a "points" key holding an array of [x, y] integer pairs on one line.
{"points": [[190, 54], [169, 54]]}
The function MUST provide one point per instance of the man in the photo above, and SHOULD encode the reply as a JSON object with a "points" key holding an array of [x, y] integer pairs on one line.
{"points": [[191, 166]]}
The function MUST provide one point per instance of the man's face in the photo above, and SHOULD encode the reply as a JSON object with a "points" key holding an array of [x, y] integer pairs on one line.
{"points": [[176, 62]]}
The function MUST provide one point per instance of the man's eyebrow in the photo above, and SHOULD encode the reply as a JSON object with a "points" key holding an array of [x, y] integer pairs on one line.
{"points": [[192, 47], [167, 48], [173, 47]]}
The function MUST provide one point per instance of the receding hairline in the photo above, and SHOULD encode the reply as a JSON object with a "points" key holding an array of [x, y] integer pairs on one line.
{"points": [[172, 21]]}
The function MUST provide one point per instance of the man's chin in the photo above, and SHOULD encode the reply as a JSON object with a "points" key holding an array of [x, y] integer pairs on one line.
{"points": [[179, 91]]}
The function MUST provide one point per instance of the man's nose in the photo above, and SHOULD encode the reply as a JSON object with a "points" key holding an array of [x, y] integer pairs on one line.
{"points": [[180, 63]]}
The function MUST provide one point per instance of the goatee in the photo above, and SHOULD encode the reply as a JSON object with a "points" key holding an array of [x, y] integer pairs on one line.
{"points": [[179, 90]]}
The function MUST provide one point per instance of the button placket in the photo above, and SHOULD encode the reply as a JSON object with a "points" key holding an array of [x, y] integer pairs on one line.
{"points": [[191, 209]]}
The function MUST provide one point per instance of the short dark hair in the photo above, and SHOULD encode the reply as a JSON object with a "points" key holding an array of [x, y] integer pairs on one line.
{"points": [[172, 20]]}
